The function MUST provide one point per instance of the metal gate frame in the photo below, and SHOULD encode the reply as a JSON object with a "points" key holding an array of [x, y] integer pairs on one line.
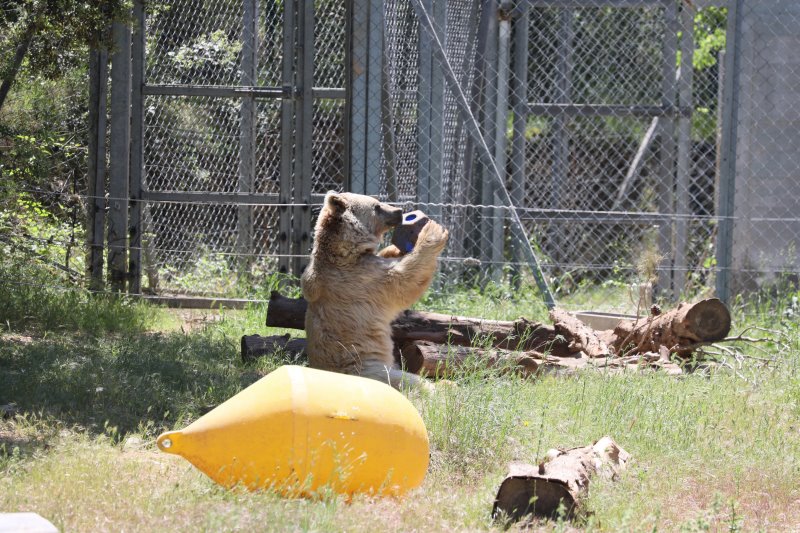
{"points": [[296, 103], [127, 191]]}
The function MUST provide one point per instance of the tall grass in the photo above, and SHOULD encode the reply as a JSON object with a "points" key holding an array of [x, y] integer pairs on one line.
{"points": [[29, 298]]}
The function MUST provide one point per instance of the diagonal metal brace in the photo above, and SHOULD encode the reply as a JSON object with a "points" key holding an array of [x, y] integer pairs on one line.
{"points": [[483, 148]]}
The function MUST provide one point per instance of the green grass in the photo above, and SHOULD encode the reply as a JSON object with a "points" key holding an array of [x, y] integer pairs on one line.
{"points": [[96, 380], [32, 298]]}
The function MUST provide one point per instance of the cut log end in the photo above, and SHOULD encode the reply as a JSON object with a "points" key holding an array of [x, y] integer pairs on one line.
{"points": [[519, 497], [709, 319], [677, 329]]}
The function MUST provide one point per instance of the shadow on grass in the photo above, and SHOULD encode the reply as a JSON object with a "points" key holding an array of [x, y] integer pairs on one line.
{"points": [[144, 382]]}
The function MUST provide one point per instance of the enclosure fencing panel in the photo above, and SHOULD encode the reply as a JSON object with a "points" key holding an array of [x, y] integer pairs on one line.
{"points": [[648, 147], [760, 203], [583, 115], [237, 138], [571, 147]]}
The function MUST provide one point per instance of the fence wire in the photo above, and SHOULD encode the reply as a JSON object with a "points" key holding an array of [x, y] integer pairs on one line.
{"points": [[578, 110], [605, 124]]}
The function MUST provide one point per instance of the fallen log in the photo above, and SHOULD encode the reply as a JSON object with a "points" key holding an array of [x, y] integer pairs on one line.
{"points": [[449, 361], [581, 337], [444, 362], [255, 346], [678, 330], [560, 481], [521, 334], [417, 356]]}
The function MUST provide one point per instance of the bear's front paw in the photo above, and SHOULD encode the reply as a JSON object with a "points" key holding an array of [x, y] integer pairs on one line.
{"points": [[433, 235]]}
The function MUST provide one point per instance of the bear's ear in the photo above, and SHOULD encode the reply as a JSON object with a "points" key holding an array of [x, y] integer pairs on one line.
{"points": [[335, 202]]}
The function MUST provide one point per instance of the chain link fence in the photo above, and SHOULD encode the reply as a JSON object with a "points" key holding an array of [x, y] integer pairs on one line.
{"points": [[595, 150], [759, 203], [592, 118]]}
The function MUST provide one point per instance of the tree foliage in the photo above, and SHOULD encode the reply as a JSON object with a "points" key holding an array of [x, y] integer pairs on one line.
{"points": [[709, 36], [51, 36]]}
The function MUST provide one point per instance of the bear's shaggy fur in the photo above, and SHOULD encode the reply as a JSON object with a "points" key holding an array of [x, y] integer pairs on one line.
{"points": [[353, 293]]}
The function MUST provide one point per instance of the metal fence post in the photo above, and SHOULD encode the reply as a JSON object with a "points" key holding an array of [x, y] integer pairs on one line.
{"points": [[460, 161], [500, 121], [374, 122], [430, 103], [389, 148], [287, 140], [119, 168], [685, 81], [519, 105], [666, 181], [424, 110], [137, 150], [727, 173], [304, 117], [95, 222], [561, 136], [437, 124], [491, 251], [367, 98], [357, 101], [347, 125], [472, 166], [247, 139]]}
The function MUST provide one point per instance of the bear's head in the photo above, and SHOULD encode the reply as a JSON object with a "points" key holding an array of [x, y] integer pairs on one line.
{"points": [[351, 225]]}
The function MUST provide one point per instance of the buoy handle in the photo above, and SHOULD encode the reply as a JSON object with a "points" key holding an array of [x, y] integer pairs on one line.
{"points": [[166, 441]]}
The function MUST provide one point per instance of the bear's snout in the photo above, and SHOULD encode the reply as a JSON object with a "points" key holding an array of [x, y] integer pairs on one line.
{"points": [[392, 216]]}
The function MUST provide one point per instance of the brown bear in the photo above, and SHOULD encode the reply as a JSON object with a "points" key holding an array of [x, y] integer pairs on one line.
{"points": [[354, 293]]}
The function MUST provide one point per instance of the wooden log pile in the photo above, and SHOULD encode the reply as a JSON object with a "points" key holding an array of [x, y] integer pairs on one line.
{"points": [[442, 345]]}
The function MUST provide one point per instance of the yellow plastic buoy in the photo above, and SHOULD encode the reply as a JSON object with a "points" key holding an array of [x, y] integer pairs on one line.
{"points": [[298, 430]]}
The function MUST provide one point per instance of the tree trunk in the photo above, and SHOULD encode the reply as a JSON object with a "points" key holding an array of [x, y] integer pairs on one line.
{"points": [[560, 481], [678, 330], [19, 56]]}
